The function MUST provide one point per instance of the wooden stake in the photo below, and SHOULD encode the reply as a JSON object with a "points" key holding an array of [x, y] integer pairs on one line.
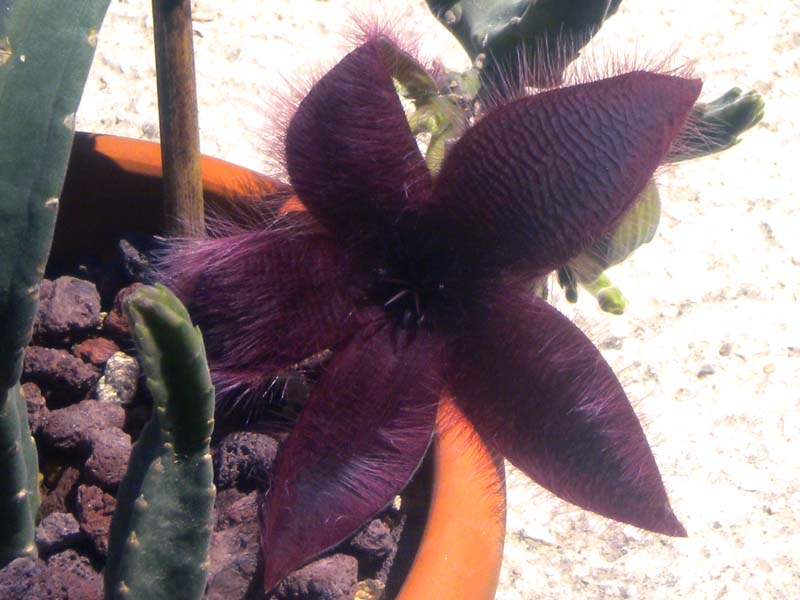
{"points": [[177, 115]]}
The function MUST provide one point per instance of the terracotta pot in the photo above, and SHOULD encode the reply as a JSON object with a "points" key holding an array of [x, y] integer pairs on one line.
{"points": [[113, 186]]}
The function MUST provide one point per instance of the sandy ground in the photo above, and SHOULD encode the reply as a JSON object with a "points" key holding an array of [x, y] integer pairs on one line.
{"points": [[715, 292]]}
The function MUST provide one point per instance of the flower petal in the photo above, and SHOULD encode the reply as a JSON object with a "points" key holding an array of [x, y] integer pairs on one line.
{"points": [[350, 153], [264, 300], [537, 389], [538, 180], [358, 441]]}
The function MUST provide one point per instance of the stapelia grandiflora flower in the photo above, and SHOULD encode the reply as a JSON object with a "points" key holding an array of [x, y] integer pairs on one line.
{"points": [[421, 284]]}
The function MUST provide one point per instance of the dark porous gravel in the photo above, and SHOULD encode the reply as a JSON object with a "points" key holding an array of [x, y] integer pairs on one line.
{"points": [[61, 482], [95, 508], [243, 459], [330, 578], [72, 428], [37, 407], [374, 542], [21, 579], [69, 308], [116, 324], [95, 351], [111, 449], [67, 377], [233, 555], [70, 576], [57, 531]]}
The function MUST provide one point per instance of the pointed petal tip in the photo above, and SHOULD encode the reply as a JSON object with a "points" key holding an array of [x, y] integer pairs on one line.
{"points": [[661, 520], [272, 576], [587, 446], [676, 92], [670, 525], [679, 531]]}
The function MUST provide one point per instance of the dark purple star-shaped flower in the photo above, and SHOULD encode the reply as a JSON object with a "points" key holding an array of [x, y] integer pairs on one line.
{"points": [[421, 284]]}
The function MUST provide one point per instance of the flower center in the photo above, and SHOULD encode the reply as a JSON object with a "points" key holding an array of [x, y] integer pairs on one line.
{"points": [[407, 298]]}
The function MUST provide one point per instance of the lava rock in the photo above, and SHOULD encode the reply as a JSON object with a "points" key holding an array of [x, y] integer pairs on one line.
{"points": [[69, 308], [95, 508], [72, 428], [65, 375], [222, 503], [120, 380], [233, 554], [132, 256], [57, 495], [241, 510], [21, 579], [95, 351], [57, 531], [374, 542], [111, 449], [37, 407], [330, 578], [116, 323], [70, 576], [243, 458]]}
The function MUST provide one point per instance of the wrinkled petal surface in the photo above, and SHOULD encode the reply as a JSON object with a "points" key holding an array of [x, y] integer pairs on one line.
{"points": [[538, 180], [538, 390], [264, 300], [350, 153], [358, 441]]}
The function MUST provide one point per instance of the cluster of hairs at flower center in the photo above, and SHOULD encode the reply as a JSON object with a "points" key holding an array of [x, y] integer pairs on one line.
{"points": [[409, 301]]}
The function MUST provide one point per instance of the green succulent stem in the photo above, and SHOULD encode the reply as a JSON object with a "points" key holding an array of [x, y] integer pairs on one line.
{"points": [[441, 109], [161, 529], [19, 488], [504, 36], [46, 48], [716, 126]]}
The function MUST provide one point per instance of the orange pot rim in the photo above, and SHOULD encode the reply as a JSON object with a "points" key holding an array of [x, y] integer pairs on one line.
{"points": [[461, 548]]}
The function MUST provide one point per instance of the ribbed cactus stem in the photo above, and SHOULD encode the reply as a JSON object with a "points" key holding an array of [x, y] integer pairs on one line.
{"points": [[46, 54], [158, 545], [502, 35], [19, 469], [19, 490], [716, 126], [19, 297]]}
